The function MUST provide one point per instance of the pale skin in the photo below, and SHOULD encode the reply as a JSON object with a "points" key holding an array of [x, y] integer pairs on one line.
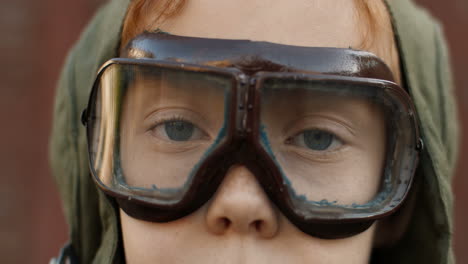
{"points": [[203, 236]]}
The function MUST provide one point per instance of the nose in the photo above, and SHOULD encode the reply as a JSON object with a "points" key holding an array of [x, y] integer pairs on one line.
{"points": [[241, 206]]}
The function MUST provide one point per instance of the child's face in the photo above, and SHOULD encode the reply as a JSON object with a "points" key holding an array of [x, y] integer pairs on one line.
{"points": [[240, 224]]}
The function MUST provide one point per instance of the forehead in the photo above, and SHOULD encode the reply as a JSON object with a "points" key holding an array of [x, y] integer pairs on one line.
{"points": [[319, 23]]}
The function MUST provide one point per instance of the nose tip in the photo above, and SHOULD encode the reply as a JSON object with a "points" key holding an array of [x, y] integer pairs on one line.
{"points": [[241, 206]]}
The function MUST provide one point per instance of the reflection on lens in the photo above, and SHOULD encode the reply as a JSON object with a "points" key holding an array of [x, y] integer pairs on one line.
{"points": [[155, 125]]}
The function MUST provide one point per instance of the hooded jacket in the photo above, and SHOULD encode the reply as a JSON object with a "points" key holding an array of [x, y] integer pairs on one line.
{"points": [[94, 223]]}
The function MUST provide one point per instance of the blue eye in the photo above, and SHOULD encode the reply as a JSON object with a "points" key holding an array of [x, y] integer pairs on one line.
{"points": [[179, 130], [317, 140]]}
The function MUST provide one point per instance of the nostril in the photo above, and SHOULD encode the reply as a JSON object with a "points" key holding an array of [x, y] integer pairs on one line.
{"points": [[258, 225], [224, 222], [219, 225], [266, 229]]}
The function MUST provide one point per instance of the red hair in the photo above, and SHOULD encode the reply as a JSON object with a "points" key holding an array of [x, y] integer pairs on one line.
{"points": [[139, 13]]}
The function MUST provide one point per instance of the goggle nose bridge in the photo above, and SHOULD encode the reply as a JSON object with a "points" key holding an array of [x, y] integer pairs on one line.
{"points": [[243, 104]]}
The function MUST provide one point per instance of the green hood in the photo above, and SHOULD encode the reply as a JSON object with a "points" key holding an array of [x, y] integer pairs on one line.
{"points": [[93, 222]]}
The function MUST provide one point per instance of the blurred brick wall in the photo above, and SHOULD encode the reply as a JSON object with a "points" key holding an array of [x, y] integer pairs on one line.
{"points": [[35, 38], [454, 16]]}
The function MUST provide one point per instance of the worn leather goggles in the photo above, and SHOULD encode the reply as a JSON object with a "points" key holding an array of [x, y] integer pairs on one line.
{"points": [[330, 137]]}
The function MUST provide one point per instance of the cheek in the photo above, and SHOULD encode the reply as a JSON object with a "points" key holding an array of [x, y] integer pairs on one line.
{"points": [[145, 242], [353, 250]]}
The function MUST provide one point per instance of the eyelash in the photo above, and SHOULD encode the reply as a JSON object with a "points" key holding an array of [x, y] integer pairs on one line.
{"points": [[321, 128], [163, 120]]}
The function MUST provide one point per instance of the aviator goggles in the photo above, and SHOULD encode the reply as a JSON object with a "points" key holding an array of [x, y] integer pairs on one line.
{"points": [[329, 136]]}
